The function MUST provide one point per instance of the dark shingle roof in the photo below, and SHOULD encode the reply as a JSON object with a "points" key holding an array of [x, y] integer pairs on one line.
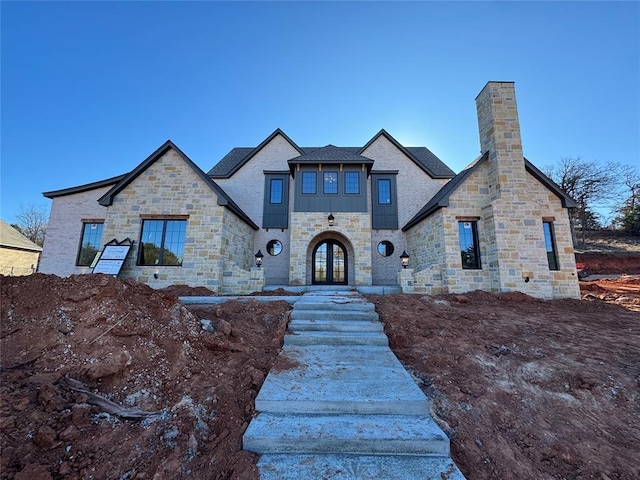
{"points": [[84, 188], [441, 198], [421, 156]]}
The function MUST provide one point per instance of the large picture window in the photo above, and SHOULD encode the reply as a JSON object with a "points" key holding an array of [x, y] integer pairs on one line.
{"points": [[309, 182], [469, 245], [90, 244], [162, 242], [550, 243]]}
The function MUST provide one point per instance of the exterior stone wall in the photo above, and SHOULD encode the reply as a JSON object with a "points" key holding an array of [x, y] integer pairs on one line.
{"points": [[513, 228], [276, 268], [64, 231], [385, 269], [14, 261], [351, 229], [170, 188]]}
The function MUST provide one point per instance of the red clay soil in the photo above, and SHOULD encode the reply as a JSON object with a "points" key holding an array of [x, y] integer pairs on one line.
{"points": [[128, 351], [610, 264], [109, 379], [525, 388]]}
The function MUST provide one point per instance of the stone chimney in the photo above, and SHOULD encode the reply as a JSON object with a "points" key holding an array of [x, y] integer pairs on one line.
{"points": [[500, 136]]}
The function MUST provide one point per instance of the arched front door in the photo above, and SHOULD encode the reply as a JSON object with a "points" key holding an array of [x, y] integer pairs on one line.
{"points": [[330, 263]]}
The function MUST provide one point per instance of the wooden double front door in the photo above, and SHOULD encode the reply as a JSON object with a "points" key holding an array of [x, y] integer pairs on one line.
{"points": [[329, 263]]}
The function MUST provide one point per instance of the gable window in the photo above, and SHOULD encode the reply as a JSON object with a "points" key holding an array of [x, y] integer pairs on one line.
{"points": [[90, 245], [352, 183], [309, 183], [550, 244], [384, 191], [469, 245], [275, 191], [162, 242], [330, 183]]}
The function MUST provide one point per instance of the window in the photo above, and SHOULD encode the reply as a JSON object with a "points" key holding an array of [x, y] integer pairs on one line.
{"points": [[550, 243], [385, 248], [275, 192], [274, 247], [384, 191], [308, 182], [352, 183], [330, 184], [162, 242], [469, 245], [90, 245]]}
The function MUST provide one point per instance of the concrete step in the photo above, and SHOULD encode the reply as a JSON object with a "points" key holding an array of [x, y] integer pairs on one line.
{"points": [[335, 326], [339, 303], [336, 338], [350, 467], [356, 434], [353, 315], [349, 379]]}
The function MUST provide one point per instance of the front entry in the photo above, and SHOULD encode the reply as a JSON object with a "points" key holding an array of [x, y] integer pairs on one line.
{"points": [[330, 263]]}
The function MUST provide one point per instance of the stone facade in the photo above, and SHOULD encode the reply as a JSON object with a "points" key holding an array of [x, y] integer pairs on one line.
{"points": [[505, 196], [353, 230]]}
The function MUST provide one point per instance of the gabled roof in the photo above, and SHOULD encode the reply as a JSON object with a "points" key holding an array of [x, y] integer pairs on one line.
{"points": [[441, 198], [223, 198], [83, 188], [237, 157], [12, 238], [421, 156]]}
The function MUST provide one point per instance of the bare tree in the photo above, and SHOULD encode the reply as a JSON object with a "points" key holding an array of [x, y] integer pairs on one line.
{"points": [[32, 222], [591, 184]]}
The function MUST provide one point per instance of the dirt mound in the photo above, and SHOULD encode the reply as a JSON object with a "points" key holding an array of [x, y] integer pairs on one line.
{"points": [[187, 291], [108, 378], [525, 388]]}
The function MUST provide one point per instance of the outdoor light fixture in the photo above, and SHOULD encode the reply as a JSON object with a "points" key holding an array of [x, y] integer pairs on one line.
{"points": [[404, 258], [156, 274], [331, 218], [259, 256]]}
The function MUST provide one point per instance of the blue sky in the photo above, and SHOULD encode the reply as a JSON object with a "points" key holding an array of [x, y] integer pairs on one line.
{"points": [[90, 89]]}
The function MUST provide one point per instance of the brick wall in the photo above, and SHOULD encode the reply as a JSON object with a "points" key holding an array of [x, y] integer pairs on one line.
{"points": [[62, 241]]}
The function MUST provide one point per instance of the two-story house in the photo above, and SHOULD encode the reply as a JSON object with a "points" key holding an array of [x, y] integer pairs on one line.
{"points": [[331, 216]]}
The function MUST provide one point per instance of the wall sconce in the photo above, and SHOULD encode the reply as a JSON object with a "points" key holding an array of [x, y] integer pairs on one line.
{"points": [[331, 219], [259, 256], [156, 274], [404, 258]]}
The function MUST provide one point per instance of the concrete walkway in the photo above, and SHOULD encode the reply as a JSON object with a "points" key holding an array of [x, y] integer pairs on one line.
{"points": [[344, 407]]}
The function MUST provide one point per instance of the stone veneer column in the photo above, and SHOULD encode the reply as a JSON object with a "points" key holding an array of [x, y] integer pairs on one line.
{"points": [[510, 228]]}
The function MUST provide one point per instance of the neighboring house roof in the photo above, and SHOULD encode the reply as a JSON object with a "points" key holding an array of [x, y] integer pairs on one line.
{"points": [[84, 188], [441, 198], [237, 157], [421, 156], [12, 238], [223, 198]]}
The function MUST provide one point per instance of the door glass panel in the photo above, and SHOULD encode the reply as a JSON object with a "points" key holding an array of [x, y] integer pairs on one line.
{"points": [[321, 264], [338, 264]]}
